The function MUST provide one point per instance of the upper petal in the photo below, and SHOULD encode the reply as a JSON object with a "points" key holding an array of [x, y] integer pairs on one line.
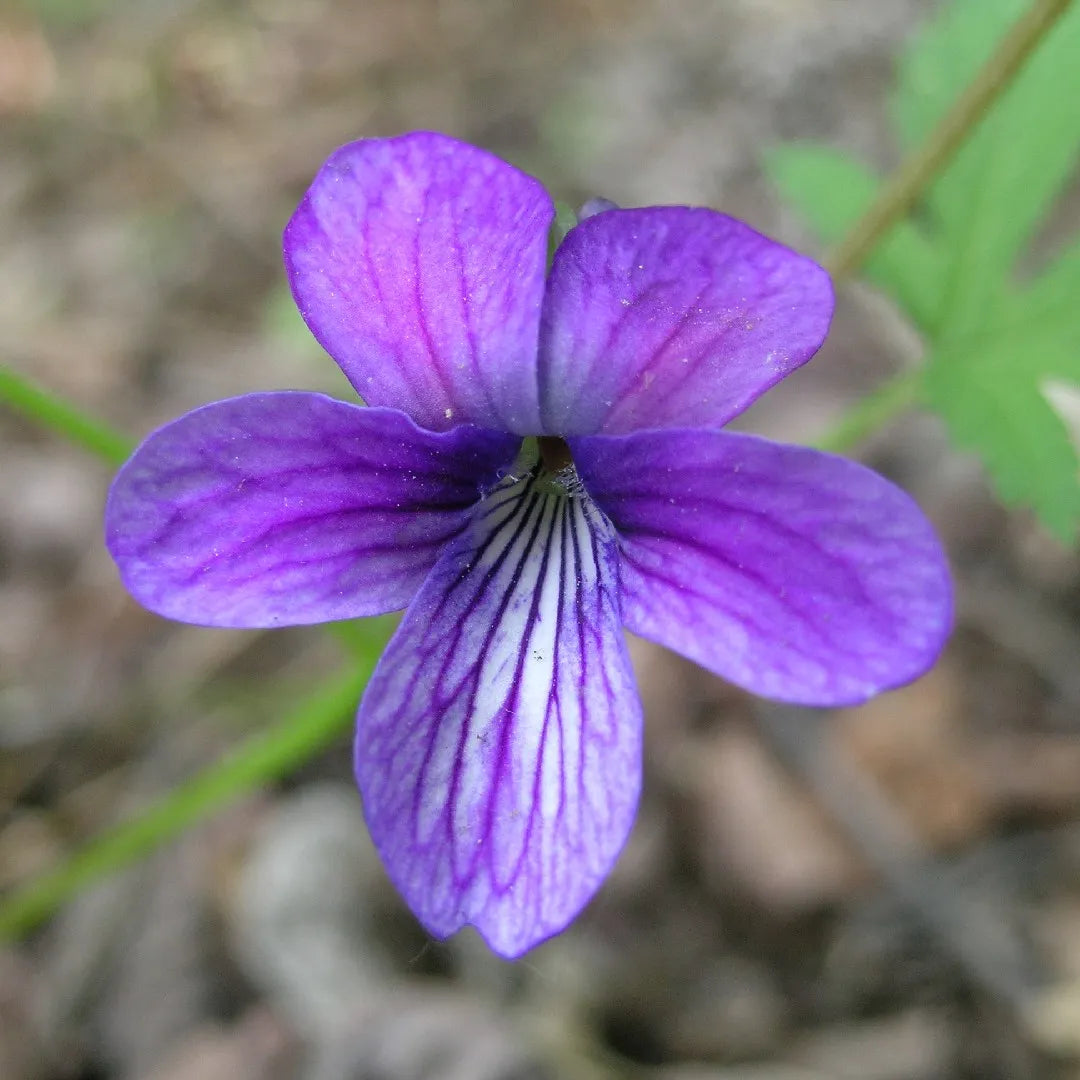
{"points": [[498, 743], [796, 574], [287, 508], [418, 263], [672, 317]]}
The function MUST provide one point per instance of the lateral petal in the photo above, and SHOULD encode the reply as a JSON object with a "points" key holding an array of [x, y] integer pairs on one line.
{"points": [[798, 575], [672, 316], [418, 262], [286, 508], [498, 743]]}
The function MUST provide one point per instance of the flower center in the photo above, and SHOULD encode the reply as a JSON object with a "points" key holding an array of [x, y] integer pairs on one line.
{"points": [[547, 458], [555, 468], [554, 453]]}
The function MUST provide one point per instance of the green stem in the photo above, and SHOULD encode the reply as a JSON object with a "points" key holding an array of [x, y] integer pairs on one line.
{"points": [[872, 413], [907, 184], [312, 726], [54, 412]]}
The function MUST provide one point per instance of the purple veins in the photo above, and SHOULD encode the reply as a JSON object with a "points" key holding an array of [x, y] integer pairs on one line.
{"points": [[543, 465], [499, 740]]}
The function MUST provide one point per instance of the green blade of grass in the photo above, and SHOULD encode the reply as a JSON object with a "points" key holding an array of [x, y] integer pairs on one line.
{"points": [[306, 730], [51, 411], [871, 413]]}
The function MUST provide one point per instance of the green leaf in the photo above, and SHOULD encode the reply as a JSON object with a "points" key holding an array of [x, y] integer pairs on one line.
{"points": [[1004, 180], [990, 388], [1051, 296], [992, 344], [985, 391], [986, 207]]}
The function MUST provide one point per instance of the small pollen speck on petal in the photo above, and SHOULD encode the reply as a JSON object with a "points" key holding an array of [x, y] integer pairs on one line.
{"points": [[448, 414]]}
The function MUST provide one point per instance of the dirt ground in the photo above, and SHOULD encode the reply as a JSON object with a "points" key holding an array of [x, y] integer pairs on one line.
{"points": [[883, 893]]}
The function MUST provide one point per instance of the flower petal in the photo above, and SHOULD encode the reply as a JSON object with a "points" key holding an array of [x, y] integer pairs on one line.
{"points": [[795, 574], [287, 508], [498, 743], [672, 317], [418, 263]]}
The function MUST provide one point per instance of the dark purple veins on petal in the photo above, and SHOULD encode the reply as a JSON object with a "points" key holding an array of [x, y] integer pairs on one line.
{"points": [[418, 263], [286, 508], [498, 743], [796, 574], [671, 316]]}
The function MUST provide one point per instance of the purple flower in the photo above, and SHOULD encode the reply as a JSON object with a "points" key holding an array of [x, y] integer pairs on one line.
{"points": [[498, 745]]}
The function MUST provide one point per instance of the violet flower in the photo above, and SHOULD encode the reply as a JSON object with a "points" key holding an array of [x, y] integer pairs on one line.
{"points": [[498, 745]]}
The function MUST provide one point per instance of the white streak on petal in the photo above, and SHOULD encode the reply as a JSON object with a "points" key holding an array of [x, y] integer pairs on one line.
{"points": [[498, 744]]}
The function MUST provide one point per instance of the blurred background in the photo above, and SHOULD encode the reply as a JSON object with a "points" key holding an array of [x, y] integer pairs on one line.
{"points": [[883, 893]]}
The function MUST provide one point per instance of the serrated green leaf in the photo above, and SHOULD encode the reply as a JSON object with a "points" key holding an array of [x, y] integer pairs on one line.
{"points": [[833, 191], [1053, 295], [992, 405], [990, 388], [992, 344], [1005, 178]]}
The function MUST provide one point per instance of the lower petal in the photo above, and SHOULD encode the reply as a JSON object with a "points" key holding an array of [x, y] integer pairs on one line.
{"points": [[798, 575], [287, 508], [498, 743]]}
